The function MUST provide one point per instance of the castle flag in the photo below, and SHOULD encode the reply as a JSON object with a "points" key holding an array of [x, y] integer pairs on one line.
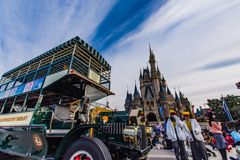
{"points": [[227, 110]]}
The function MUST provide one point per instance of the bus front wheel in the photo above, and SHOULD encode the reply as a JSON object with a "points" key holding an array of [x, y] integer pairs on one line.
{"points": [[89, 148]]}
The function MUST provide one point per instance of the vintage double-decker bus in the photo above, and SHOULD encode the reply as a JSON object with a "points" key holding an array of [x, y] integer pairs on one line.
{"points": [[55, 107]]}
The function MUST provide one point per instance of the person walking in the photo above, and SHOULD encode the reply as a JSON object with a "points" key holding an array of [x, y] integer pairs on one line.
{"points": [[195, 137], [162, 129], [216, 130], [158, 129], [176, 133]]}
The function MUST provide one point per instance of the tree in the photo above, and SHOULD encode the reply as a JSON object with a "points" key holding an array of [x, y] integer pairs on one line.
{"points": [[216, 106], [235, 111]]}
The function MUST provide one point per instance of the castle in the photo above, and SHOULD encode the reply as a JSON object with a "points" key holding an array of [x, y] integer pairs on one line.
{"points": [[156, 99]]}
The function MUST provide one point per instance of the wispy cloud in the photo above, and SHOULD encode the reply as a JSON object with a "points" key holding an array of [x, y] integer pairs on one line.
{"points": [[122, 19], [222, 64], [184, 35], [29, 28]]}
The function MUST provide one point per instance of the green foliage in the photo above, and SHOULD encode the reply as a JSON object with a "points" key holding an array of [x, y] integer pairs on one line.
{"points": [[216, 106], [235, 111]]}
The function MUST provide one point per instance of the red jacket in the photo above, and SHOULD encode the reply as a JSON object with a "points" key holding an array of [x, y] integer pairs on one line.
{"points": [[229, 140]]}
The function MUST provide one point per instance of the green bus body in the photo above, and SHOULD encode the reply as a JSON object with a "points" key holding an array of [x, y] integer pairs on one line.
{"points": [[35, 120]]}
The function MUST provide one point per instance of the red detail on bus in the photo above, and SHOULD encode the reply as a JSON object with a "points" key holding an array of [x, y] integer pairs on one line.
{"points": [[77, 158]]}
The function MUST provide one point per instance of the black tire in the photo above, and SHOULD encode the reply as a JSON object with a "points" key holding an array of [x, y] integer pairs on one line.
{"points": [[95, 147]]}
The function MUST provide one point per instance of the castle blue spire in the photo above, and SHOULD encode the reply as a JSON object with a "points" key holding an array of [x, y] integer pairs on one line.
{"points": [[158, 70], [176, 97], [128, 96], [147, 69], [136, 91], [180, 93], [141, 76], [161, 89], [168, 91], [163, 79]]}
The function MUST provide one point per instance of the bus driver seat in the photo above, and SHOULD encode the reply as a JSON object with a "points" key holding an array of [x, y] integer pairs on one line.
{"points": [[62, 113]]}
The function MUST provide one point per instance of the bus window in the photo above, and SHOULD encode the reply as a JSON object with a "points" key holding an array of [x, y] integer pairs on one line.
{"points": [[19, 81], [1, 104], [29, 77], [31, 101], [19, 103], [8, 105], [10, 85], [3, 87]]}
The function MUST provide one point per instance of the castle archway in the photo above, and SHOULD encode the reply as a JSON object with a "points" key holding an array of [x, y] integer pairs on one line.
{"points": [[151, 117]]}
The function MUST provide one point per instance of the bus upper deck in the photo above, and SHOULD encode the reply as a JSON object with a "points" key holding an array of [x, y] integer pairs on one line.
{"points": [[74, 54], [60, 73]]}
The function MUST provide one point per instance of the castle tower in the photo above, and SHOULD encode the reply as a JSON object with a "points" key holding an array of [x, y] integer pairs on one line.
{"points": [[137, 100], [164, 101], [158, 73], [178, 106], [152, 62], [154, 94], [154, 76], [185, 103], [141, 79], [164, 84], [127, 102]]}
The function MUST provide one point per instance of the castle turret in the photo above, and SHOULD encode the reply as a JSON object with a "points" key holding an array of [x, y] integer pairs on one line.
{"points": [[127, 102], [184, 101], [141, 78], [168, 91], [152, 62], [164, 84], [180, 95], [154, 76], [136, 94], [158, 73], [164, 102], [137, 100], [179, 106]]}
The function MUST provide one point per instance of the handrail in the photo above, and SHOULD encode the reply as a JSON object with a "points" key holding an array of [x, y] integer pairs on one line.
{"points": [[77, 101]]}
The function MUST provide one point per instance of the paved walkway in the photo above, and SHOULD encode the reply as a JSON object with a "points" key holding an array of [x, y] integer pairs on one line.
{"points": [[154, 154], [163, 154]]}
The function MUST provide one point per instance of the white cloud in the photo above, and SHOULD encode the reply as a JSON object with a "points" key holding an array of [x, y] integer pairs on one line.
{"points": [[29, 29], [185, 36]]}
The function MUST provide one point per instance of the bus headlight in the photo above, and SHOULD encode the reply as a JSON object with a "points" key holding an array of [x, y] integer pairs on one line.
{"points": [[132, 135], [149, 132]]}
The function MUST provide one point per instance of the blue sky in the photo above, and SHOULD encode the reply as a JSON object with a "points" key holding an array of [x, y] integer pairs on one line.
{"points": [[196, 43]]}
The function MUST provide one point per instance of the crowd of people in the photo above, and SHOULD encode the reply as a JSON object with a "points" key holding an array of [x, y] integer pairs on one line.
{"points": [[186, 138]]}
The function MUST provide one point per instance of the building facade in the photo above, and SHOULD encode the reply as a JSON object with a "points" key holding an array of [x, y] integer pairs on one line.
{"points": [[155, 98]]}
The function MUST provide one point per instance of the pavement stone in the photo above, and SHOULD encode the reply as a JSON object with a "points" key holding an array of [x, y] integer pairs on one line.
{"points": [[164, 154]]}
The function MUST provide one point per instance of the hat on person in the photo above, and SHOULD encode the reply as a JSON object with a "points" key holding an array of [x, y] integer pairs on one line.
{"points": [[186, 113], [172, 112]]}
